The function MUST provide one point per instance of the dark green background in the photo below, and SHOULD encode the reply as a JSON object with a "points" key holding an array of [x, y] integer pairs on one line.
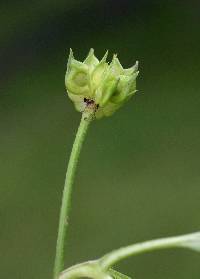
{"points": [[138, 176]]}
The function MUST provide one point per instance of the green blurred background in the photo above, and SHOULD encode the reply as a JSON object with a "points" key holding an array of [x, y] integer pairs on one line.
{"points": [[138, 176]]}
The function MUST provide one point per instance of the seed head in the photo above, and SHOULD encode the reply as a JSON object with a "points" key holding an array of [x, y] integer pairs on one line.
{"points": [[99, 86]]}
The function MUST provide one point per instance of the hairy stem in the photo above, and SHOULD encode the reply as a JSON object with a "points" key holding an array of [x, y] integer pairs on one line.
{"points": [[66, 198]]}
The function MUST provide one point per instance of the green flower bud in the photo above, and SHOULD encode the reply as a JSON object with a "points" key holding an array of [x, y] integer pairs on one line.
{"points": [[99, 86]]}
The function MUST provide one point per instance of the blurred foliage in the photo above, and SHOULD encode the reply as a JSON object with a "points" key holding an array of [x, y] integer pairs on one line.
{"points": [[138, 177]]}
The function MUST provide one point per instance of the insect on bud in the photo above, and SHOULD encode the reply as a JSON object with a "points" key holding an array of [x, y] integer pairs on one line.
{"points": [[99, 86]]}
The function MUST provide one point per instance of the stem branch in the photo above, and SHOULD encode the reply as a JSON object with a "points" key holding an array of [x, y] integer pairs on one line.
{"points": [[163, 243], [66, 198]]}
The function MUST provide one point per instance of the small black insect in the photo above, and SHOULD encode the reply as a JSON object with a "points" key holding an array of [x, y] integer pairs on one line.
{"points": [[88, 101], [91, 103]]}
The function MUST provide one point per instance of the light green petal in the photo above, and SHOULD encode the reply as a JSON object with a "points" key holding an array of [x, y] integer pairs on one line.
{"points": [[108, 90], [115, 65], [91, 60], [69, 61], [131, 70]]}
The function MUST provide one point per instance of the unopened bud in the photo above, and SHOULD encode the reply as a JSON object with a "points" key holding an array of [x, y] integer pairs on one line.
{"points": [[99, 86]]}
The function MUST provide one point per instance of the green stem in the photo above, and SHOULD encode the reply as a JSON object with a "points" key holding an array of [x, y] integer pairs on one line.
{"points": [[101, 268], [66, 198], [184, 241]]}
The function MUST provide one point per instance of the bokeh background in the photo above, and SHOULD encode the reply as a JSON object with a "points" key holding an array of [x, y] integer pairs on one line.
{"points": [[138, 177]]}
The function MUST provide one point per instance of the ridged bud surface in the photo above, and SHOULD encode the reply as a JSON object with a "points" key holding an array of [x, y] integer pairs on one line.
{"points": [[98, 85]]}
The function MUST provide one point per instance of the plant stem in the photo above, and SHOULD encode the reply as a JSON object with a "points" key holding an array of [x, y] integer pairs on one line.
{"points": [[183, 241], [88, 269], [101, 268], [66, 198]]}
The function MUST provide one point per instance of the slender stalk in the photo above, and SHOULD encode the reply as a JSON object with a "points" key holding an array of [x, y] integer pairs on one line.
{"points": [[101, 268], [190, 241], [66, 198]]}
